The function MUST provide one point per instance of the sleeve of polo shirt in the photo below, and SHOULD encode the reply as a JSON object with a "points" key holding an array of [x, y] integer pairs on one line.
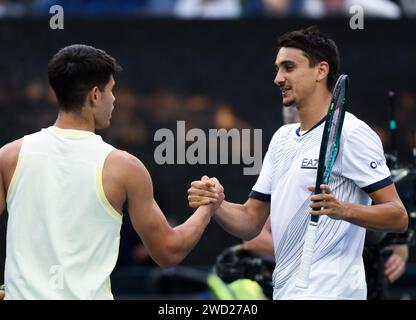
{"points": [[363, 160]]}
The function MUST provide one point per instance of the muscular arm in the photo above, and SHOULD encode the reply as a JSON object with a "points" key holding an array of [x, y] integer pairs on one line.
{"points": [[166, 245], [244, 221], [387, 214]]}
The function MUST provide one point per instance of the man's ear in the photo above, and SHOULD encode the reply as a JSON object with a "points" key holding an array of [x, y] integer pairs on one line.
{"points": [[323, 70], [93, 95]]}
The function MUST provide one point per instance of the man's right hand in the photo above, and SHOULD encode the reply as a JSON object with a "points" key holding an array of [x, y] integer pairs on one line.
{"points": [[206, 191]]}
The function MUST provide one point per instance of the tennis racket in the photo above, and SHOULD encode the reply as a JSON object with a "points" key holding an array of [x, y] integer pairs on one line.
{"points": [[327, 155]]}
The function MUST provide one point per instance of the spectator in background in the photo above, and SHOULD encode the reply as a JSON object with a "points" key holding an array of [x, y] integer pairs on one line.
{"points": [[93, 7], [372, 8], [408, 7], [276, 7], [16, 8], [208, 9], [160, 7], [395, 265]]}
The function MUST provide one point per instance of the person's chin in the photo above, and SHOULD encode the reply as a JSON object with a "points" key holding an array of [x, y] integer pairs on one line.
{"points": [[288, 102]]}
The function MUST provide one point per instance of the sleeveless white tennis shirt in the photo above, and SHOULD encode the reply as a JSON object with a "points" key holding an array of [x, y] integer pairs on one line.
{"points": [[62, 233], [290, 165]]}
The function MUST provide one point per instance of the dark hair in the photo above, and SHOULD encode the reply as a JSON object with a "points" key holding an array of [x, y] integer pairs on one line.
{"points": [[317, 47], [75, 69]]}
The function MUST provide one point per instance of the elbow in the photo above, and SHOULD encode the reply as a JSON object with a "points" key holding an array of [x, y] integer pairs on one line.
{"points": [[403, 222], [251, 234], [171, 256], [168, 261], [248, 237]]}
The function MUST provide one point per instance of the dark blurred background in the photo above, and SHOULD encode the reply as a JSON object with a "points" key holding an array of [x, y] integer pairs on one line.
{"points": [[211, 64]]}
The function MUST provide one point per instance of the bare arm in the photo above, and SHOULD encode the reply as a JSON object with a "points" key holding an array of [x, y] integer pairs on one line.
{"points": [[8, 161], [2, 193], [166, 245], [2, 181], [387, 214], [262, 245], [244, 221]]}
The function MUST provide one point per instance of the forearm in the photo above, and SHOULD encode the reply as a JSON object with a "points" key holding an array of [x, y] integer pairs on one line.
{"points": [[262, 245], [387, 217], [237, 220], [189, 233]]}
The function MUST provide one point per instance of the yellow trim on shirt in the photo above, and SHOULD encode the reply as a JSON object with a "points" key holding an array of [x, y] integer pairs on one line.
{"points": [[16, 172], [108, 285], [70, 132], [107, 205]]}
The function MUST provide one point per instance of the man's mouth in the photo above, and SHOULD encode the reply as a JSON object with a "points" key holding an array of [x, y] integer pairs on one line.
{"points": [[285, 90]]}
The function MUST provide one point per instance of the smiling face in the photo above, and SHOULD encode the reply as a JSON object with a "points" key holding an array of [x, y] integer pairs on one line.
{"points": [[295, 76]]}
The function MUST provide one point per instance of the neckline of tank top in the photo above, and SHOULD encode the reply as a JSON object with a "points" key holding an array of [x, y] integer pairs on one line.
{"points": [[70, 132]]}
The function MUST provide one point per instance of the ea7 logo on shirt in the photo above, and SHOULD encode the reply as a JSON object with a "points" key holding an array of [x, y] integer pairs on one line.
{"points": [[309, 163]]}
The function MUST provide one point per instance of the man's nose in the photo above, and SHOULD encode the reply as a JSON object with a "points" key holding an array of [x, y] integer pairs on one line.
{"points": [[279, 79]]}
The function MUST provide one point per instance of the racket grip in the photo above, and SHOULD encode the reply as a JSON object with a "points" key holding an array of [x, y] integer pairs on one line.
{"points": [[306, 262]]}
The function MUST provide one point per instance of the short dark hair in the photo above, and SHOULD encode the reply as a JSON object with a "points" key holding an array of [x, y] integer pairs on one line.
{"points": [[317, 47], [75, 69]]}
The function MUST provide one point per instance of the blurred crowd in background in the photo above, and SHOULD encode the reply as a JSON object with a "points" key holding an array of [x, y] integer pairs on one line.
{"points": [[211, 9]]}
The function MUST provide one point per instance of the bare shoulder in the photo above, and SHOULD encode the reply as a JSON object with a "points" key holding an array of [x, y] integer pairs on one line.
{"points": [[9, 153], [11, 148], [126, 161], [129, 168]]}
